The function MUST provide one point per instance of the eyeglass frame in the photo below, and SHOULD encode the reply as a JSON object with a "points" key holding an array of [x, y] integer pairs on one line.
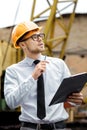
{"points": [[37, 37]]}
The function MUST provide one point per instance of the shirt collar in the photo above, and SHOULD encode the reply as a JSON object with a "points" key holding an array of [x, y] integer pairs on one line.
{"points": [[30, 61]]}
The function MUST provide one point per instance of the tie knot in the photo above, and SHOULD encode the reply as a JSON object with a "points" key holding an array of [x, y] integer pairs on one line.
{"points": [[36, 62]]}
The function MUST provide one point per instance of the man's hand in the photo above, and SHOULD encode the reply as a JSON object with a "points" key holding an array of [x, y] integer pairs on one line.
{"points": [[76, 98], [39, 69]]}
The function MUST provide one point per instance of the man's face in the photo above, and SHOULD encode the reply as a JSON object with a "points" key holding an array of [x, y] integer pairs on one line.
{"points": [[35, 43]]}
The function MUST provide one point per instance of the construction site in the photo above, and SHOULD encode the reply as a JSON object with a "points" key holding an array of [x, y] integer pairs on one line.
{"points": [[65, 38]]}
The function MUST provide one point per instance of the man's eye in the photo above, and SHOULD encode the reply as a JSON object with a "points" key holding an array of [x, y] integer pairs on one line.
{"points": [[35, 37]]}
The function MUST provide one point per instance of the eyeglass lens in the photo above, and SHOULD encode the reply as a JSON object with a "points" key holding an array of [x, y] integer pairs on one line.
{"points": [[37, 36]]}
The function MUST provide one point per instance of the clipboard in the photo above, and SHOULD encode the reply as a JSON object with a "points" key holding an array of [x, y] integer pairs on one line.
{"points": [[71, 84]]}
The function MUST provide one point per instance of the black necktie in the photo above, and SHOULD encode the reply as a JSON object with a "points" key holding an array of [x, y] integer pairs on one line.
{"points": [[41, 113]]}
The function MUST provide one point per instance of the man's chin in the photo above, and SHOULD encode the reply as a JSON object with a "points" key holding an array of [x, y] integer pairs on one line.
{"points": [[42, 50]]}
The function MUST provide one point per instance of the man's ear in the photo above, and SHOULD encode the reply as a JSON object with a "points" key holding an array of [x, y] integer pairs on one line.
{"points": [[22, 45]]}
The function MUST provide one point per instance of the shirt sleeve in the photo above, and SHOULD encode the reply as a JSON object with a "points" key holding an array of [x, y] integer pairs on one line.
{"points": [[14, 92], [66, 71]]}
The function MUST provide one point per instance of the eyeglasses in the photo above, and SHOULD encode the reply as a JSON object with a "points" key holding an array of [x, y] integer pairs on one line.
{"points": [[36, 37]]}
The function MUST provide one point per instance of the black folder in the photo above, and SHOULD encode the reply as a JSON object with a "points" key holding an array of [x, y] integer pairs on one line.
{"points": [[71, 84]]}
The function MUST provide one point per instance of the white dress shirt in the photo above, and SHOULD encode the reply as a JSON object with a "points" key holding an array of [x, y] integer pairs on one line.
{"points": [[20, 89]]}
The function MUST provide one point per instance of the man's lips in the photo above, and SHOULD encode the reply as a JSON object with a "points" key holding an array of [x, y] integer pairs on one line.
{"points": [[41, 44]]}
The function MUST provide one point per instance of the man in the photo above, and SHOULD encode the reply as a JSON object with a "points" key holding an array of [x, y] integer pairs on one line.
{"points": [[21, 79]]}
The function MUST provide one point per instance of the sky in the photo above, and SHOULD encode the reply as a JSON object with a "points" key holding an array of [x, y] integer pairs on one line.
{"points": [[16, 11]]}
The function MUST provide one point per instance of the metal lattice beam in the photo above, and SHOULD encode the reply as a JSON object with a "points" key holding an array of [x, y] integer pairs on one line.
{"points": [[52, 41]]}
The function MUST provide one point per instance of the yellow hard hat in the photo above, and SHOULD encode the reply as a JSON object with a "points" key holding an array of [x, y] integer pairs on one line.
{"points": [[24, 28]]}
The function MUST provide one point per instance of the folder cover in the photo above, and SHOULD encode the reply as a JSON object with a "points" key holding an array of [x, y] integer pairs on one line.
{"points": [[74, 83]]}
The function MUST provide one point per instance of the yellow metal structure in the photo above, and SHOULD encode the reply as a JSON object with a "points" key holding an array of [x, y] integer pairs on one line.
{"points": [[51, 42]]}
